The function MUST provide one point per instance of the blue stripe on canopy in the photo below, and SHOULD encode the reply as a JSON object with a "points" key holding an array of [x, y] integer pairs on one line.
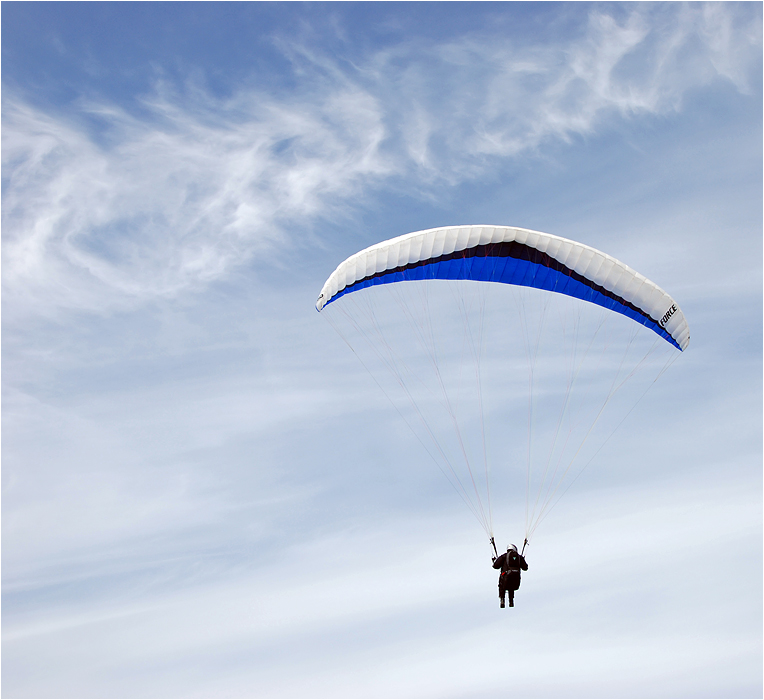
{"points": [[512, 270]]}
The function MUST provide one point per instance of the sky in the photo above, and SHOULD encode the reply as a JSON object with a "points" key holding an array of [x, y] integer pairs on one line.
{"points": [[204, 493]]}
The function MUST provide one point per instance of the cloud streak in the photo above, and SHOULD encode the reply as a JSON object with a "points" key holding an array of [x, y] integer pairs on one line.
{"points": [[486, 97], [395, 617], [173, 203]]}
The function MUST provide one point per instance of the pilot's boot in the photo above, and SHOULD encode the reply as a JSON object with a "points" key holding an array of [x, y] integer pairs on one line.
{"points": [[511, 602], [502, 602]]}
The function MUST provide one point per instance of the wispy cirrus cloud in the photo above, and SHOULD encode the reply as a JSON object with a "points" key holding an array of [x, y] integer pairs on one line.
{"points": [[167, 201], [173, 201], [500, 98]]}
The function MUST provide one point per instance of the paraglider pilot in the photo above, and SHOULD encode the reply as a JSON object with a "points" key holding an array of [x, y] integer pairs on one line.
{"points": [[510, 564]]}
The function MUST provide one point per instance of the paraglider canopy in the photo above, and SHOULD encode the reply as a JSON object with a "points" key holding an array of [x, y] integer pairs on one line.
{"points": [[512, 256]]}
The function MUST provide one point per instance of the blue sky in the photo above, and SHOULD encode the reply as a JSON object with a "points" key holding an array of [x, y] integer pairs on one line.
{"points": [[203, 492]]}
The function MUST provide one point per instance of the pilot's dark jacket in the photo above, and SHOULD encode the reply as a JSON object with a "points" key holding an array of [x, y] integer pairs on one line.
{"points": [[510, 564]]}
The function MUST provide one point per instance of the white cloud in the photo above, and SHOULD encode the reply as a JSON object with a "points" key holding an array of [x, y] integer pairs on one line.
{"points": [[176, 202], [732, 41], [485, 96], [386, 606]]}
